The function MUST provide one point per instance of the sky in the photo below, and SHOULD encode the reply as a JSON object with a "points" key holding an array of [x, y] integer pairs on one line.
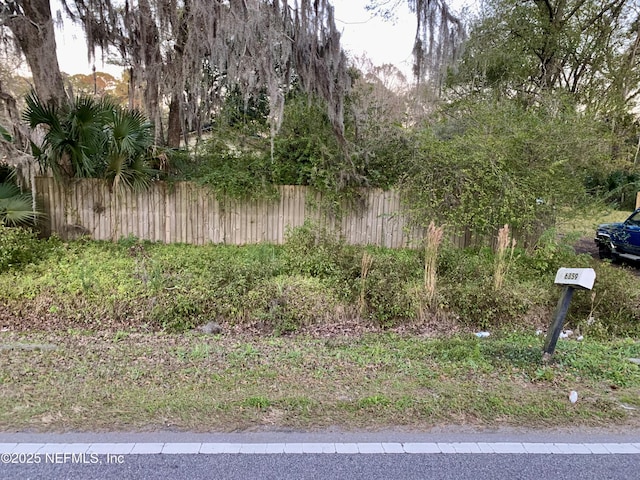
{"points": [[362, 33], [379, 40]]}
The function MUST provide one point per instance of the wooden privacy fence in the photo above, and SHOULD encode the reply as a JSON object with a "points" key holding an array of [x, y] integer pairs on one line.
{"points": [[188, 213]]}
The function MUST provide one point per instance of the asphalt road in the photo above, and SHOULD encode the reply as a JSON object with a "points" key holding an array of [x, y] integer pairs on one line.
{"points": [[351, 455], [336, 466]]}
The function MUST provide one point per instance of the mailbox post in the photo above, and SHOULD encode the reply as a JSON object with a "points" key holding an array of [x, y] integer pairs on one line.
{"points": [[570, 279]]}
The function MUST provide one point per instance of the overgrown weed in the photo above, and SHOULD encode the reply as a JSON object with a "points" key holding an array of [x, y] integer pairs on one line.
{"points": [[312, 280]]}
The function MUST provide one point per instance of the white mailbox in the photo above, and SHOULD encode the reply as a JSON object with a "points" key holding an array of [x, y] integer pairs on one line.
{"points": [[576, 277]]}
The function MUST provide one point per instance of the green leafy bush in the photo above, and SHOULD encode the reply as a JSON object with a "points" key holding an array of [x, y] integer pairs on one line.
{"points": [[284, 304], [306, 149], [491, 163], [550, 253], [392, 286], [612, 307], [177, 313], [315, 251], [242, 172], [467, 289], [388, 289], [478, 305], [190, 285], [18, 247]]}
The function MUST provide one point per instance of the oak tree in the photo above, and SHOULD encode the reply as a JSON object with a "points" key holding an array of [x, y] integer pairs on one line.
{"points": [[30, 24]]}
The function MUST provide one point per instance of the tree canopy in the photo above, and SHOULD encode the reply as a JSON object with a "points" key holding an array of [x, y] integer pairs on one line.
{"points": [[193, 50], [585, 48], [542, 66], [188, 50]]}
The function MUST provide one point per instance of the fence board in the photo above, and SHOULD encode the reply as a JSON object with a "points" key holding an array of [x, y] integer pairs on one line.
{"points": [[186, 212]]}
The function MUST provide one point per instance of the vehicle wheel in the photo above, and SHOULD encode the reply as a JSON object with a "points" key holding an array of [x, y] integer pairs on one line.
{"points": [[604, 252]]}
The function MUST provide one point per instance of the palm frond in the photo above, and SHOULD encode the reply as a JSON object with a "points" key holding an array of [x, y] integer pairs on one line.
{"points": [[134, 174], [15, 206], [132, 134], [8, 190], [17, 211], [4, 133], [39, 113], [86, 122]]}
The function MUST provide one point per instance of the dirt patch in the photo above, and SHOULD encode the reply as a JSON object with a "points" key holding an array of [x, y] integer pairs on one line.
{"points": [[588, 246]]}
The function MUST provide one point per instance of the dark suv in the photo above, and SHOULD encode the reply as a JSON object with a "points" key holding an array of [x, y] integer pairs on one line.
{"points": [[620, 241]]}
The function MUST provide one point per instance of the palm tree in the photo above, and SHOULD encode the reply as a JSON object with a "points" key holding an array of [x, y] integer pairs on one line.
{"points": [[74, 140], [129, 149], [93, 139]]}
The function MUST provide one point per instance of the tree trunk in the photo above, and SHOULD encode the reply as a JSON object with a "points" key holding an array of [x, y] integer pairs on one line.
{"points": [[554, 21], [174, 126], [34, 32], [150, 47]]}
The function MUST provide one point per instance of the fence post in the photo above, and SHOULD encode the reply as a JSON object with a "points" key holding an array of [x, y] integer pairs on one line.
{"points": [[638, 200]]}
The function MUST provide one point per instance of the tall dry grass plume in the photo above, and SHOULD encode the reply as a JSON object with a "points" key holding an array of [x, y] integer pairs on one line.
{"points": [[365, 265], [504, 256], [432, 244]]}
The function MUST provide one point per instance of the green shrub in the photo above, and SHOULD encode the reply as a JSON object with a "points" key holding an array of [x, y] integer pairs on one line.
{"points": [[191, 285], [18, 247], [462, 265], [177, 313], [467, 288], [392, 288], [389, 292], [490, 163], [612, 308], [552, 252], [315, 251], [480, 306], [243, 173], [287, 303], [306, 149]]}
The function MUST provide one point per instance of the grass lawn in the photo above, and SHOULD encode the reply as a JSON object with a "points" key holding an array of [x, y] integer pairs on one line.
{"points": [[142, 381], [586, 224]]}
